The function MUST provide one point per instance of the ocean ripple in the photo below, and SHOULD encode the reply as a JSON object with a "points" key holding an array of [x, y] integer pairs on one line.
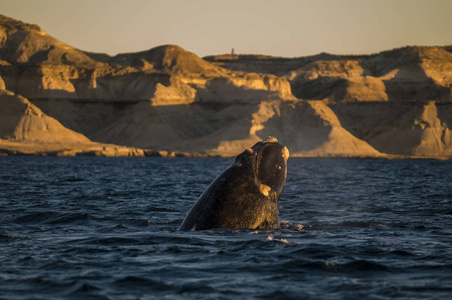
{"points": [[106, 228]]}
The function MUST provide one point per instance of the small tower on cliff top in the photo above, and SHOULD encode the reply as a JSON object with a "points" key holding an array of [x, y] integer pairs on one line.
{"points": [[233, 55]]}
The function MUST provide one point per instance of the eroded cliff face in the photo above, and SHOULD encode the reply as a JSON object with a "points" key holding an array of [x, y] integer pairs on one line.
{"points": [[312, 129], [393, 103], [411, 128], [308, 128], [25, 129], [405, 74], [36, 65], [20, 120]]}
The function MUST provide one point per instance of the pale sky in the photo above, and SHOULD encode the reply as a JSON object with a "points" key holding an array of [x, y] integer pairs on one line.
{"points": [[288, 28]]}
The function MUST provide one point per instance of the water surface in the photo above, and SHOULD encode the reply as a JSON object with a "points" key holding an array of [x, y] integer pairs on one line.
{"points": [[106, 228]]}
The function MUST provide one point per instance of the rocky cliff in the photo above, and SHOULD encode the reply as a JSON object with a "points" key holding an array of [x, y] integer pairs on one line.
{"points": [[25, 129], [398, 101], [166, 98], [405, 74]]}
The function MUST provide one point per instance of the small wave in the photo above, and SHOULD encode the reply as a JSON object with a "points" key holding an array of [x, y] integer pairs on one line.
{"points": [[49, 283], [292, 226], [447, 212], [13, 237], [50, 217], [279, 294], [87, 290], [196, 288], [401, 253], [358, 265], [78, 250], [107, 241], [114, 228], [271, 238], [70, 218], [361, 224], [71, 179], [137, 282], [36, 217], [349, 267], [159, 185], [160, 209], [345, 225], [56, 264]]}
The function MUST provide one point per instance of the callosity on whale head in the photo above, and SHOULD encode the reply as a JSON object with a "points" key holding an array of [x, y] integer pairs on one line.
{"points": [[246, 194]]}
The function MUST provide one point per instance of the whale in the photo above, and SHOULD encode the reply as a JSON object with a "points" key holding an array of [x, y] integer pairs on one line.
{"points": [[246, 194]]}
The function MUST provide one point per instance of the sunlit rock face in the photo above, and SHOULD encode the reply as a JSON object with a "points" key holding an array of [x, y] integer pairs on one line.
{"points": [[403, 128], [396, 102], [405, 74], [20, 120], [36, 65]]}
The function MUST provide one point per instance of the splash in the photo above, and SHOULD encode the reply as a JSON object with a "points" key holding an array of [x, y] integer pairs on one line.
{"points": [[271, 238]]}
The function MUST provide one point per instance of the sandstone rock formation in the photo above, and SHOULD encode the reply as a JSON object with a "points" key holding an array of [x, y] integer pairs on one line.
{"points": [[398, 101], [20, 120], [411, 128], [310, 128], [405, 74], [37, 66], [25, 129], [54, 96]]}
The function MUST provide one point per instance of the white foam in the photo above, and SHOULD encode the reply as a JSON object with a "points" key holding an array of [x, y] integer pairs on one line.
{"points": [[271, 238], [292, 226]]}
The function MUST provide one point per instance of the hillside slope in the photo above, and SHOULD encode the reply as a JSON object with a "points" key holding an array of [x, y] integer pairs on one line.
{"points": [[396, 102], [20, 120], [405, 74]]}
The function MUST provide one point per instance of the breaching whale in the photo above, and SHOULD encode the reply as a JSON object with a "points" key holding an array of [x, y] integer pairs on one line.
{"points": [[246, 194]]}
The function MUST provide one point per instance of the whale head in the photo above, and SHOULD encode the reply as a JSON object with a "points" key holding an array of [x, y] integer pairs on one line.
{"points": [[267, 160]]}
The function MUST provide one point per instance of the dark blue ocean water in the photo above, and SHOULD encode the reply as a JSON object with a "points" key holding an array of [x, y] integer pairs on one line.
{"points": [[106, 228]]}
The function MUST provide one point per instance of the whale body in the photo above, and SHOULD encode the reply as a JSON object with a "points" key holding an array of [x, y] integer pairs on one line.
{"points": [[246, 194]]}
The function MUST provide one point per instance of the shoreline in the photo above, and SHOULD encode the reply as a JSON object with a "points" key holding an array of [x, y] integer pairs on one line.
{"points": [[120, 151]]}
